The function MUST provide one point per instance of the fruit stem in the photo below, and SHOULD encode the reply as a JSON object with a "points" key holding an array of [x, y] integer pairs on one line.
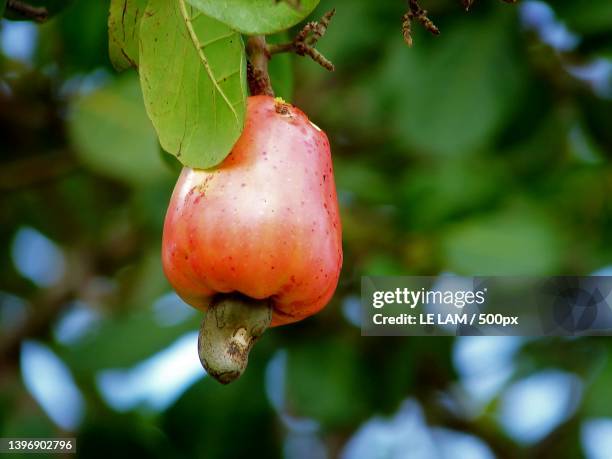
{"points": [[257, 70], [231, 325]]}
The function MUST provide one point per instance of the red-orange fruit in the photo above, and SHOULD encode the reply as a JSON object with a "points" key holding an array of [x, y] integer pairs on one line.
{"points": [[263, 223]]}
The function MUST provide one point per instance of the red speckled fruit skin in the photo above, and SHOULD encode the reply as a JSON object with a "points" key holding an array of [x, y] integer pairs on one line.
{"points": [[263, 223]]}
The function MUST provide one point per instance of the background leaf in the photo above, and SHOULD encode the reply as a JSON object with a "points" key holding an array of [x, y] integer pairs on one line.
{"points": [[193, 76], [112, 134], [596, 16], [447, 101], [513, 242], [332, 383], [123, 27], [71, 42], [281, 69], [255, 17]]}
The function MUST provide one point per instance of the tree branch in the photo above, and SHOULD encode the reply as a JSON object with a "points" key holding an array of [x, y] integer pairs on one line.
{"points": [[45, 307], [35, 13], [304, 42], [35, 170], [257, 69], [418, 13]]}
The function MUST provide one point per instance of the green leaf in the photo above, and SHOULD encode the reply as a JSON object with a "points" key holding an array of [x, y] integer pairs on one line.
{"points": [[362, 180], [516, 241], [2, 7], [112, 135], [327, 371], [124, 341], [281, 69], [383, 265], [254, 17], [596, 17], [76, 41], [598, 397], [123, 26], [447, 99], [448, 189], [193, 76], [242, 405], [135, 334]]}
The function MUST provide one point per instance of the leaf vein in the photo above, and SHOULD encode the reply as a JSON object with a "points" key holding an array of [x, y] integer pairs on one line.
{"points": [[228, 76], [194, 39], [216, 39]]}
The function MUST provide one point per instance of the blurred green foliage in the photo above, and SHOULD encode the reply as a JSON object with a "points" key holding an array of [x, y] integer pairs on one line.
{"points": [[475, 152]]}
